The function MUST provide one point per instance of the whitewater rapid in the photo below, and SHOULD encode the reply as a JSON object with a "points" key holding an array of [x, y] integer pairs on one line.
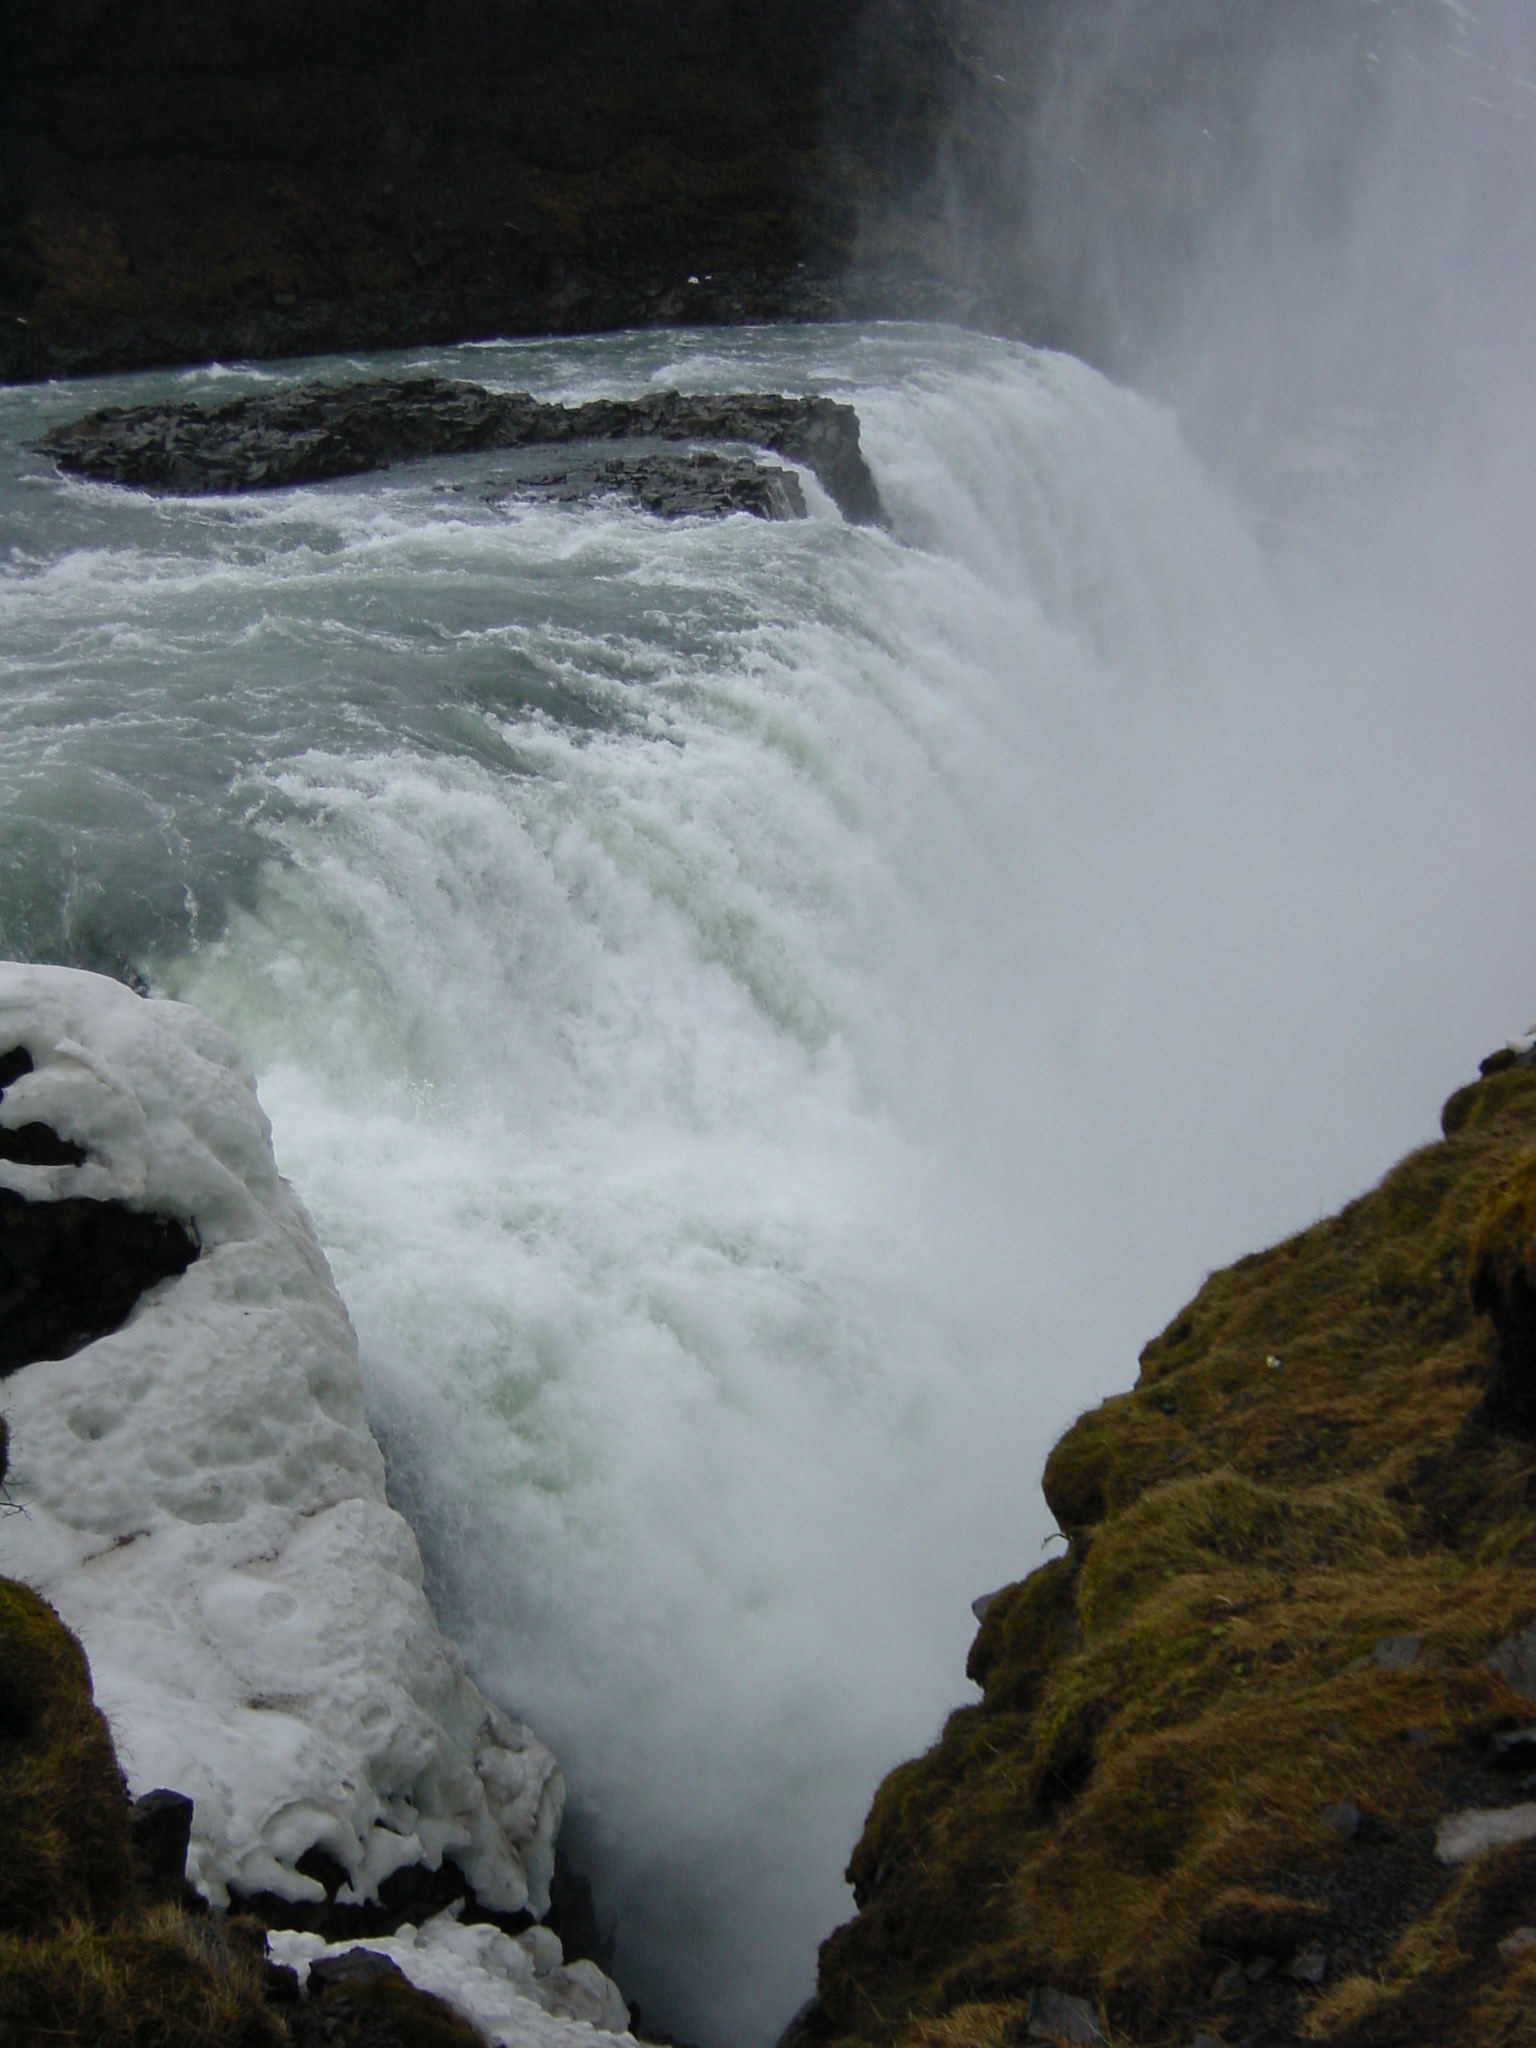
{"points": [[766, 1018]]}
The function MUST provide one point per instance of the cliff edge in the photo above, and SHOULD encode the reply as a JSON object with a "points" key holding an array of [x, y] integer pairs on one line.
{"points": [[1253, 1761]]}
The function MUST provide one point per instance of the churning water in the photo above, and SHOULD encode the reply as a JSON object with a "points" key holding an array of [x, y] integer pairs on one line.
{"points": [[767, 1018]]}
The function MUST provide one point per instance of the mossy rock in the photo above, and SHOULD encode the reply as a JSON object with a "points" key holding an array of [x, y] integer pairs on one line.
{"points": [[386, 2011], [1293, 1546], [162, 1982], [64, 1844]]}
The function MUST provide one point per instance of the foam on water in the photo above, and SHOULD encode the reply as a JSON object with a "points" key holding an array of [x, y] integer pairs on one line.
{"points": [[765, 1018]]}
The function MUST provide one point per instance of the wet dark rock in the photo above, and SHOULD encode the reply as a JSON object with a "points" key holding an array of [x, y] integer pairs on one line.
{"points": [[160, 1829], [412, 1895], [573, 1916], [319, 432], [670, 486], [281, 1985], [363, 2000], [37, 1144], [13, 1065], [32, 1144], [71, 1271], [415, 1894]]}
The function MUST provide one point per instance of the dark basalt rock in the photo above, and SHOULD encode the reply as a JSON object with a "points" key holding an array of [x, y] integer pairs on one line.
{"points": [[32, 1144], [671, 486], [13, 1065], [160, 1829], [71, 1272], [363, 2000], [40, 1145], [318, 432], [415, 1894]]}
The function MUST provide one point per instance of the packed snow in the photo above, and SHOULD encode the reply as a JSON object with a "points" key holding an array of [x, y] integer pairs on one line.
{"points": [[515, 1989], [205, 1504]]}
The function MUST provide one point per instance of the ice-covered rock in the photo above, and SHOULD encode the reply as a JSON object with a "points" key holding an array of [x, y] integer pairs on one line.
{"points": [[516, 1990], [205, 1504]]}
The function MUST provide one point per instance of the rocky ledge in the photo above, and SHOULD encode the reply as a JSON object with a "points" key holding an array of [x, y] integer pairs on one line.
{"points": [[1254, 1762], [317, 432]]}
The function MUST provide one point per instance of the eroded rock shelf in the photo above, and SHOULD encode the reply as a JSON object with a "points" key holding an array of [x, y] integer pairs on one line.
{"points": [[662, 451]]}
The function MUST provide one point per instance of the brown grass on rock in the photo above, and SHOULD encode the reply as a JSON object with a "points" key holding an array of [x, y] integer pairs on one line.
{"points": [[63, 1807], [88, 1959], [1216, 1738], [160, 1981]]}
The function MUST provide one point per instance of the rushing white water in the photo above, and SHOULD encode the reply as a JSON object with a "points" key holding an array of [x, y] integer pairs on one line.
{"points": [[768, 1018]]}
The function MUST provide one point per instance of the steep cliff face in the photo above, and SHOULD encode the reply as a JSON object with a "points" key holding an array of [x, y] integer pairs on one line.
{"points": [[1253, 1759], [180, 181]]}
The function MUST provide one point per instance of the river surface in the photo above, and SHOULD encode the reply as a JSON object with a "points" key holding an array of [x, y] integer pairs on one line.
{"points": [[768, 1018]]}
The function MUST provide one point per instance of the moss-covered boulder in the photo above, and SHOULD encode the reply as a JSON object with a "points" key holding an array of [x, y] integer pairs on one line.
{"points": [[64, 1845], [91, 1954], [158, 1981], [1216, 1743]]}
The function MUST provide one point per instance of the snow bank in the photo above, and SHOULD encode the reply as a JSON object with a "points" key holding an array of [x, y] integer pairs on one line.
{"points": [[205, 1504], [515, 1990]]}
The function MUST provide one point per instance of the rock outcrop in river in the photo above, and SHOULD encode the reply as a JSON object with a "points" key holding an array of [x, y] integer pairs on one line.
{"points": [[615, 447]]}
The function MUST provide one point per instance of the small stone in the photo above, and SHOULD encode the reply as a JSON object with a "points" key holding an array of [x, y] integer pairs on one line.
{"points": [[1392, 1653], [1232, 1980], [1344, 1819], [1461, 1836], [1515, 1662], [1310, 1966], [982, 1602], [1207, 2041], [1397, 1653], [1260, 1968], [1057, 2017], [1517, 1944]]}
